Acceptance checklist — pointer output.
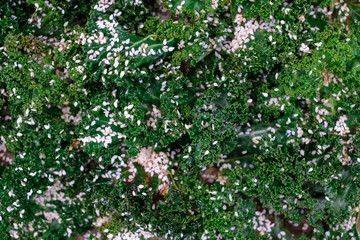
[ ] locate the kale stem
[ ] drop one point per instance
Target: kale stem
(173, 181)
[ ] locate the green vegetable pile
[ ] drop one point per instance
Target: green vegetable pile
(179, 119)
